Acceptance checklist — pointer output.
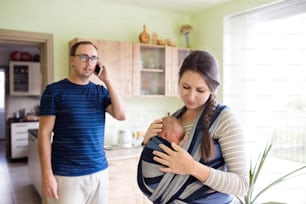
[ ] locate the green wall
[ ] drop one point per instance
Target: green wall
(90, 19)
(208, 27)
(93, 19)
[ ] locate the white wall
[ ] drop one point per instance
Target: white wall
(141, 111)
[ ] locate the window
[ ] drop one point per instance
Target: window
(265, 78)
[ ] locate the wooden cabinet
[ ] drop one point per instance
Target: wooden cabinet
(119, 58)
(19, 138)
(156, 68)
(25, 78)
(34, 164)
(177, 57)
(123, 186)
(149, 70)
(141, 69)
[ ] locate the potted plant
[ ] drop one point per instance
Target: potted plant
(254, 173)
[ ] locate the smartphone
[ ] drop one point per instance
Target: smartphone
(98, 70)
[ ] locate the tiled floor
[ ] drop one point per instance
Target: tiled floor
(15, 184)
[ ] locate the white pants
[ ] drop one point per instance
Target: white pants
(88, 189)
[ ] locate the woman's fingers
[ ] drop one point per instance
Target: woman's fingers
(153, 129)
(161, 160)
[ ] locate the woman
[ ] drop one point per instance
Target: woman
(211, 166)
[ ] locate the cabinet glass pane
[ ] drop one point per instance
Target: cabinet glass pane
(152, 57)
(21, 78)
(152, 83)
(182, 54)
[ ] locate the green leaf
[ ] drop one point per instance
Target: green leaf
(279, 180)
(254, 173)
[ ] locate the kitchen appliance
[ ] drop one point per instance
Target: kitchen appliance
(2, 104)
(125, 139)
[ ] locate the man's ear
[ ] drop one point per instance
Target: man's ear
(71, 61)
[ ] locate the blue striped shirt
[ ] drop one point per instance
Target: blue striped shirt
(78, 140)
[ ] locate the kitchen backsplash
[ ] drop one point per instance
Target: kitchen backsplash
(15, 103)
(141, 111)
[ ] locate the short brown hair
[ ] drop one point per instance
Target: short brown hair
(77, 44)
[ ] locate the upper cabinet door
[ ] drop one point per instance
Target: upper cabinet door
(156, 69)
(149, 70)
(118, 56)
(176, 59)
(25, 78)
(140, 69)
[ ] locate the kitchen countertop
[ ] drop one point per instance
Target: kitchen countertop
(20, 120)
(112, 152)
(123, 153)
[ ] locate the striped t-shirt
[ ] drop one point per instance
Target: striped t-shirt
(78, 140)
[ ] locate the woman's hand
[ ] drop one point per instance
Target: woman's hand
(154, 129)
(177, 161)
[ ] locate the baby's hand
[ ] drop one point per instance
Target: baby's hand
(183, 141)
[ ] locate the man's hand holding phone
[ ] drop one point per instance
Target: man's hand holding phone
(98, 70)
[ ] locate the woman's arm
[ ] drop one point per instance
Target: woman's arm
(232, 142)
(230, 136)
(154, 129)
(181, 162)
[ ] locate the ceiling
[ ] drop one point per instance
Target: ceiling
(182, 6)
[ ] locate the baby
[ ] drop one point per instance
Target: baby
(172, 131)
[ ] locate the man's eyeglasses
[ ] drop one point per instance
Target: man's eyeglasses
(86, 58)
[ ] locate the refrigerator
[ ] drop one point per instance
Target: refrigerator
(2, 104)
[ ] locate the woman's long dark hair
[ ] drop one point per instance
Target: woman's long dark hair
(206, 65)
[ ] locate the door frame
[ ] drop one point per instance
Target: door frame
(45, 42)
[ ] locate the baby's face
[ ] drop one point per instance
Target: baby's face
(172, 137)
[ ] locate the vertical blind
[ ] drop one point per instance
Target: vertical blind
(265, 70)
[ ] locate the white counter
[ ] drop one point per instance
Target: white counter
(123, 153)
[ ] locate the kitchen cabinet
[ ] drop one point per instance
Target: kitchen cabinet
(150, 68)
(123, 163)
(34, 163)
(123, 186)
(156, 68)
(175, 57)
(119, 58)
(140, 69)
(19, 138)
(33, 160)
(25, 78)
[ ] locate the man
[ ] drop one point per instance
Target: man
(73, 162)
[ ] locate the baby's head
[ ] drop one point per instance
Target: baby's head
(172, 130)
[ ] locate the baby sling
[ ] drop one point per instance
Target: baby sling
(165, 188)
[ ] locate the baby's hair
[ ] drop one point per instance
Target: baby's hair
(172, 124)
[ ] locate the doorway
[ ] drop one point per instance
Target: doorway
(2, 103)
(43, 41)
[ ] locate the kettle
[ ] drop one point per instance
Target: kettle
(125, 139)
